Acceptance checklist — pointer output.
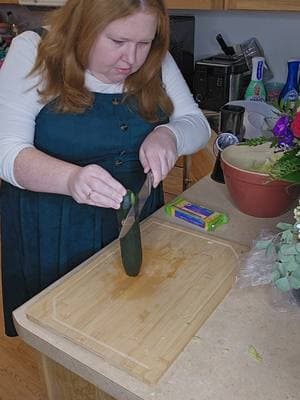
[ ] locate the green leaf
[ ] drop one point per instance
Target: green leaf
(283, 284)
(284, 226)
(255, 141)
(296, 273)
(284, 258)
(292, 265)
(287, 236)
(255, 354)
(288, 249)
(297, 258)
(293, 177)
(294, 282)
(282, 267)
(270, 250)
(275, 275)
(298, 247)
(263, 244)
(287, 167)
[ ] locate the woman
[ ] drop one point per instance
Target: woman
(91, 107)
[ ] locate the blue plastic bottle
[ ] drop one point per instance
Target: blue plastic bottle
(289, 94)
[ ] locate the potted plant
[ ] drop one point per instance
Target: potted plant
(285, 248)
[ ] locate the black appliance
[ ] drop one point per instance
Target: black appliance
(182, 32)
(220, 79)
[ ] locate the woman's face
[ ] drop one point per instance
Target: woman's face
(122, 47)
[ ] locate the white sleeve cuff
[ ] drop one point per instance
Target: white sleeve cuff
(192, 133)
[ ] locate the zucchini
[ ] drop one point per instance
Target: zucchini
(131, 246)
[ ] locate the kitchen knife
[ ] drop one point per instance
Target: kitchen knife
(142, 197)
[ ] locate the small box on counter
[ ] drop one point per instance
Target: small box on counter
(196, 214)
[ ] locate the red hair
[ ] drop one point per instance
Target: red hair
(63, 54)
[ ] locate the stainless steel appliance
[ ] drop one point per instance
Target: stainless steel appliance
(231, 122)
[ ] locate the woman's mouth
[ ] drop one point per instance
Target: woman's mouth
(124, 71)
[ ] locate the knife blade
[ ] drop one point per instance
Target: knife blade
(142, 198)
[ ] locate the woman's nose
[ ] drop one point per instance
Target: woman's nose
(130, 53)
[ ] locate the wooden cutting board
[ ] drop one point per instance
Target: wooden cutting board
(141, 324)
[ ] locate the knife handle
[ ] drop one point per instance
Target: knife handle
(228, 50)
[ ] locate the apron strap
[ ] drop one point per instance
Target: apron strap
(40, 31)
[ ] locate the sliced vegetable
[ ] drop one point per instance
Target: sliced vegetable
(131, 246)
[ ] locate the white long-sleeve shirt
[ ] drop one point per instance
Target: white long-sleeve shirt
(20, 104)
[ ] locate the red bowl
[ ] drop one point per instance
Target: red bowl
(255, 194)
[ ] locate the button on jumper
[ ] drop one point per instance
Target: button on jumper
(115, 101)
(124, 127)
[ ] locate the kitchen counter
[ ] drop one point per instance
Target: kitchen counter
(217, 363)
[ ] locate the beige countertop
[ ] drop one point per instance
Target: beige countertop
(216, 364)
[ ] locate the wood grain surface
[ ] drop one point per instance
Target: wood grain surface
(266, 5)
(141, 324)
(63, 384)
(20, 376)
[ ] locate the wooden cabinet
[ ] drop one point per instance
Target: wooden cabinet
(195, 4)
(188, 170)
(263, 5)
(259, 5)
(175, 182)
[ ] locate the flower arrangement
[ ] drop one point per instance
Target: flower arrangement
(286, 248)
(284, 164)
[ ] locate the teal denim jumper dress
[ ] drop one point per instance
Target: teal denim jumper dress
(44, 235)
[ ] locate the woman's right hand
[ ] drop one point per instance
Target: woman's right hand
(95, 186)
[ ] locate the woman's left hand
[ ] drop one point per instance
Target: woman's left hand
(158, 153)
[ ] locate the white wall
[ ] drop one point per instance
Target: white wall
(277, 32)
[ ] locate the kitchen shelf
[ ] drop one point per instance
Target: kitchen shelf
(195, 4)
(263, 5)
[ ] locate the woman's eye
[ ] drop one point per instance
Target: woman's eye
(117, 41)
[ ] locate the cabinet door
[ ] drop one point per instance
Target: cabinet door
(201, 163)
(189, 170)
(195, 4)
(268, 5)
(174, 183)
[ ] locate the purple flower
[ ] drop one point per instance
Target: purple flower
(282, 131)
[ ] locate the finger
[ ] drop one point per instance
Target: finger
(100, 200)
(112, 186)
(81, 194)
(144, 161)
(104, 178)
(107, 191)
(157, 175)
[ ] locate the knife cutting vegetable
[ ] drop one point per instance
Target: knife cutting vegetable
(130, 235)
